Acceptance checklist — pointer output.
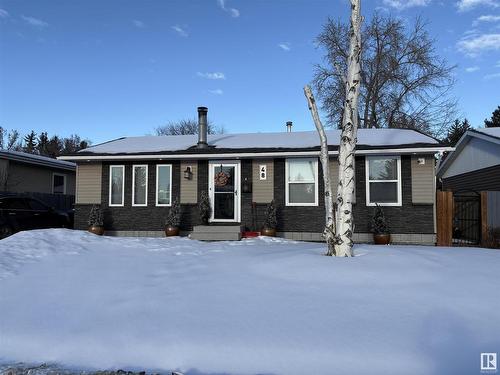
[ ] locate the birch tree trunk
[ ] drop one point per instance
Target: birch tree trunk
(329, 232)
(344, 218)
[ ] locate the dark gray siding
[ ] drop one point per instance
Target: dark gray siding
(408, 218)
(486, 179)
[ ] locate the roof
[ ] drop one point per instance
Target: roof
(257, 142)
(44, 161)
(492, 132)
(490, 135)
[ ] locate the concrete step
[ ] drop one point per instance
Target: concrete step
(216, 233)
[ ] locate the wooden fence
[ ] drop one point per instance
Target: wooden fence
(58, 201)
(451, 229)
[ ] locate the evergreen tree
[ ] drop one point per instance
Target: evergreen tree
(42, 144)
(494, 122)
(30, 143)
(54, 147)
(456, 131)
(2, 135)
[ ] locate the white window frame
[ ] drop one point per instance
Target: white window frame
(170, 191)
(122, 167)
(145, 204)
(398, 181)
(64, 183)
(287, 183)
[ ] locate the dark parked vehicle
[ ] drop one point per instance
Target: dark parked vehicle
(23, 213)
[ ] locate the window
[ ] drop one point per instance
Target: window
(116, 184)
(301, 176)
(383, 180)
(163, 185)
(140, 185)
(58, 184)
(37, 205)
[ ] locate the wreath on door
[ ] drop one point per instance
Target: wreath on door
(221, 179)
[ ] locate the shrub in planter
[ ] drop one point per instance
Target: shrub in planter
(270, 221)
(96, 220)
(173, 220)
(381, 235)
(204, 208)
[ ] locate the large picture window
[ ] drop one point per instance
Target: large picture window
(116, 184)
(301, 176)
(383, 180)
(163, 185)
(140, 185)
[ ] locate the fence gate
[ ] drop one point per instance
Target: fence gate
(466, 219)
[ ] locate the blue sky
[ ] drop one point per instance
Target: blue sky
(106, 69)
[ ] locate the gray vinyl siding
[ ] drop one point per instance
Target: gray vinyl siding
(88, 183)
(423, 179)
(25, 178)
(189, 188)
(263, 190)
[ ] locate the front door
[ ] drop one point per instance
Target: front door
(224, 186)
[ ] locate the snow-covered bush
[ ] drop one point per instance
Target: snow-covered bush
(270, 221)
(174, 215)
(96, 217)
(379, 222)
(204, 207)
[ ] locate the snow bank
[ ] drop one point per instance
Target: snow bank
(306, 139)
(256, 306)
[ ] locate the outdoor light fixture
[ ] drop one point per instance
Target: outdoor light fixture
(188, 173)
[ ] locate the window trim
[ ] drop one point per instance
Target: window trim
(170, 190)
(398, 181)
(145, 204)
(64, 183)
(287, 184)
(122, 167)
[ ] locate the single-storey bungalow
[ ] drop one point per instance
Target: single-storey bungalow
(136, 179)
(21, 172)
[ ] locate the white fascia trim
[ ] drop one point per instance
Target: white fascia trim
(400, 151)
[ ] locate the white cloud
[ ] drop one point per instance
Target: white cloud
(180, 31)
(35, 21)
(403, 4)
(487, 18)
(214, 75)
(232, 11)
(285, 46)
(472, 69)
(3, 13)
(216, 92)
(492, 76)
(475, 45)
(465, 5)
(138, 24)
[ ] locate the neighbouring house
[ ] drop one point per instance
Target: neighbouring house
(21, 172)
(136, 179)
(474, 168)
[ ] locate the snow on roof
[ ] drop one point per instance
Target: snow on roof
(494, 132)
(293, 140)
(36, 159)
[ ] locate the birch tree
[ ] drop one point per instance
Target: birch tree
(339, 226)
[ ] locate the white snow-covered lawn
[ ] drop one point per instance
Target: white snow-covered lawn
(260, 306)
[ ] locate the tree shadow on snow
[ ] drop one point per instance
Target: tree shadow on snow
(451, 347)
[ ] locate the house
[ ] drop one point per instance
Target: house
(472, 173)
(136, 179)
(21, 172)
(475, 163)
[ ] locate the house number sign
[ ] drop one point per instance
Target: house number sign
(263, 172)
